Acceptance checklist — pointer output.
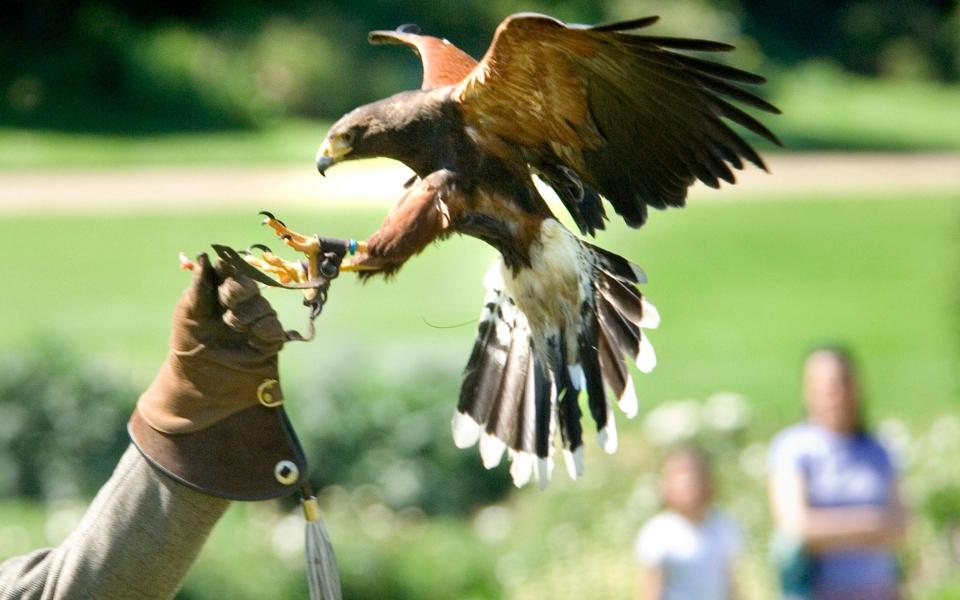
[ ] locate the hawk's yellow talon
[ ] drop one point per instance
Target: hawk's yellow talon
(285, 272)
(307, 245)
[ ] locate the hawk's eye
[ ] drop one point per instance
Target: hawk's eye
(350, 136)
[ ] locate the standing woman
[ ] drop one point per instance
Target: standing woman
(834, 491)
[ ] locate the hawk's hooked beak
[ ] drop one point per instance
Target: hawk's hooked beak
(330, 152)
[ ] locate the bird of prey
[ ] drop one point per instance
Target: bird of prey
(596, 112)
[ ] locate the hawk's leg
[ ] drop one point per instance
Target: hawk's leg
(309, 246)
(425, 213)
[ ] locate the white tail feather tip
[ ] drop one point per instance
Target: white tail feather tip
(544, 472)
(574, 462)
(607, 438)
(521, 468)
(466, 431)
(628, 400)
(646, 357)
(491, 450)
(651, 316)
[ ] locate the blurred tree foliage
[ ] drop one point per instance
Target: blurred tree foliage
(139, 66)
(873, 37)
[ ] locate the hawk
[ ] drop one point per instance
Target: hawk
(596, 112)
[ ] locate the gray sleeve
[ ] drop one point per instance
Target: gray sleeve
(138, 539)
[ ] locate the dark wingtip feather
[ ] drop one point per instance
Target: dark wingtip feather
(718, 70)
(725, 109)
(627, 25)
(677, 43)
(722, 87)
(744, 149)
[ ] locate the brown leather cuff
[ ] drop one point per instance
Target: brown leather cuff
(251, 455)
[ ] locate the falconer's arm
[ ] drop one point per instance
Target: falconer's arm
(138, 539)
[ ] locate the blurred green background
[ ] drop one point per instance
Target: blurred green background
(95, 90)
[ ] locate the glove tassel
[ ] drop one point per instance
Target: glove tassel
(323, 576)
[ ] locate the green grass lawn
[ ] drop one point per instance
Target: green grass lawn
(288, 142)
(744, 289)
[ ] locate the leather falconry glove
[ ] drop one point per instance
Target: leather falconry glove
(213, 418)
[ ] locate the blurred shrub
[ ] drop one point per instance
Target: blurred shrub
(257, 552)
(392, 432)
(62, 423)
(942, 507)
(63, 427)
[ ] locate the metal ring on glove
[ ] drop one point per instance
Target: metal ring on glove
(265, 397)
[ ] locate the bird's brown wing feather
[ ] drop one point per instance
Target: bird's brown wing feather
(636, 120)
(443, 63)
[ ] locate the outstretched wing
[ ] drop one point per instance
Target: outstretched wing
(634, 119)
(443, 63)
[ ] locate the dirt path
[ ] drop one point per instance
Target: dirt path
(179, 189)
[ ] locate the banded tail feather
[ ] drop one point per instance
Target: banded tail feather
(521, 387)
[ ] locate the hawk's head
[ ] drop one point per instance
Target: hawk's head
(398, 127)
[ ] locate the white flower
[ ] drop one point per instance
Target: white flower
(376, 521)
(753, 460)
(726, 411)
(945, 432)
(896, 437)
(401, 482)
(286, 538)
(493, 523)
(644, 499)
(673, 422)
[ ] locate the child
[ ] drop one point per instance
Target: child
(687, 550)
